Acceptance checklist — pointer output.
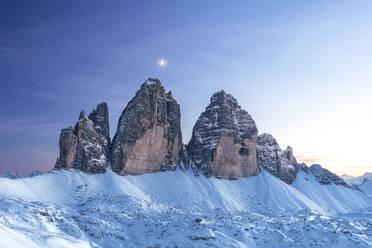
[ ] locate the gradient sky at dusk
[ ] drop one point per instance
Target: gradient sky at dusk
(303, 70)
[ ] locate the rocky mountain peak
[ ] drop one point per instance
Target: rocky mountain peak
(82, 115)
(100, 118)
(222, 98)
(290, 157)
(324, 176)
(148, 137)
(270, 156)
(83, 147)
(267, 139)
(152, 84)
(223, 142)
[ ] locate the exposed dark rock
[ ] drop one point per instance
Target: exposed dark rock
(35, 173)
(270, 156)
(100, 118)
(304, 167)
(223, 142)
(186, 162)
(324, 176)
(148, 137)
(80, 148)
(356, 187)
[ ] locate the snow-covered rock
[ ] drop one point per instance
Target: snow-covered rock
(80, 148)
(270, 156)
(100, 118)
(324, 176)
(35, 173)
(223, 142)
(148, 137)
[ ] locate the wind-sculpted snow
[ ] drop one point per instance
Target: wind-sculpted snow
(176, 209)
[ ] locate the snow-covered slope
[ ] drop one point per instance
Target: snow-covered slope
(333, 198)
(74, 209)
(366, 186)
(168, 188)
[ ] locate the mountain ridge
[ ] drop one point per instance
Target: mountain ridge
(225, 141)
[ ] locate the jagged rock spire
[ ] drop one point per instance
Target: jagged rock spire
(270, 156)
(82, 115)
(83, 147)
(100, 118)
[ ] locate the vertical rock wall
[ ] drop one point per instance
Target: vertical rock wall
(223, 142)
(148, 137)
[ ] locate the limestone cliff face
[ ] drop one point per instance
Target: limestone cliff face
(80, 148)
(224, 138)
(270, 156)
(148, 137)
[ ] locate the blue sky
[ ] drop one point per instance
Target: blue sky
(301, 69)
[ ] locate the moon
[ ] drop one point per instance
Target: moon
(162, 62)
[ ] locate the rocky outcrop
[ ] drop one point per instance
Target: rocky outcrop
(186, 162)
(80, 147)
(270, 156)
(148, 137)
(100, 118)
(223, 142)
(324, 176)
(35, 173)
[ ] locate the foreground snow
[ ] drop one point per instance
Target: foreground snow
(176, 209)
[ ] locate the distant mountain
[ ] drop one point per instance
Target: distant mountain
(366, 186)
(357, 180)
(11, 175)
(363, 183)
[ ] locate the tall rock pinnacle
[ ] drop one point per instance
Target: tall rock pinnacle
(148, 137)
(82, 147)
(223, 142)
(100, 118)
